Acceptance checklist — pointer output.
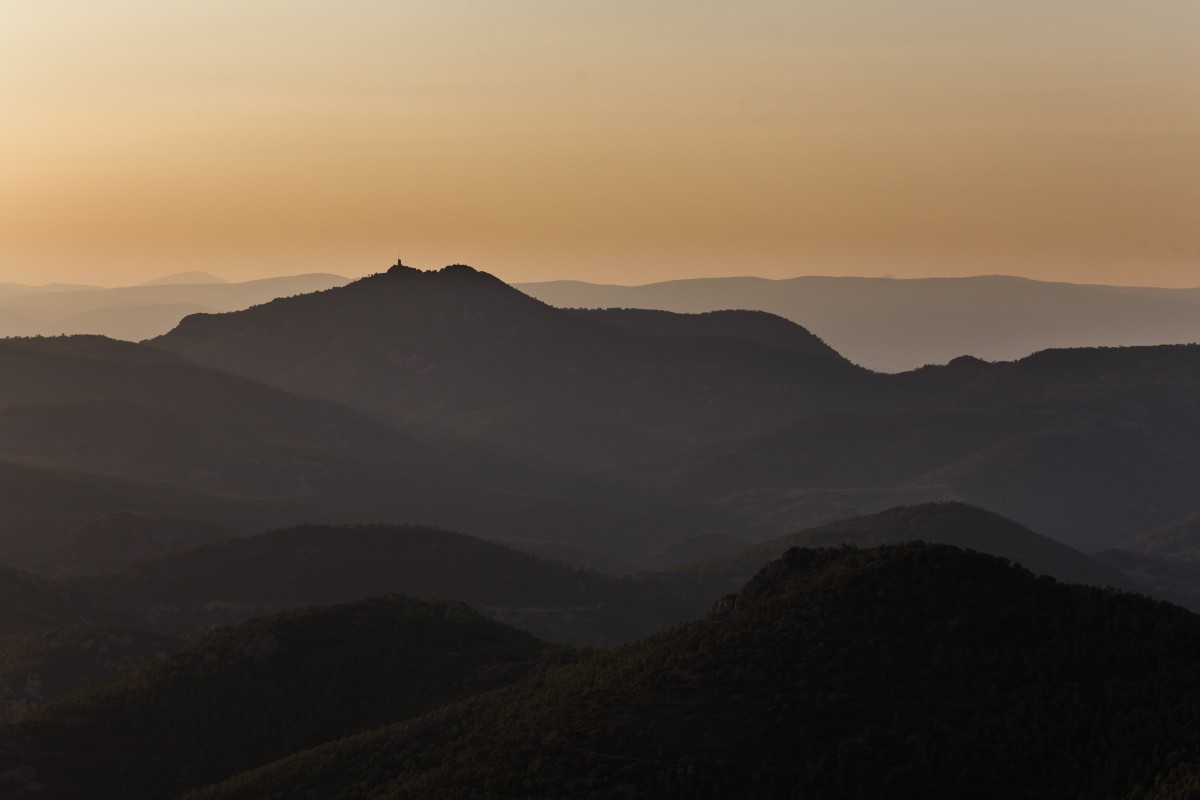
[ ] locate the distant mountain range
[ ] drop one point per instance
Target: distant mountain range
(743, 415)
(896, 325)
(139, 312)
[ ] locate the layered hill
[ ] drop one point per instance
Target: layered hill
(737, 426)
(512, 385)
(235, 580)
(107, 427)
(1090, 447)
(895, 325)
(904, 671)
(245, 696)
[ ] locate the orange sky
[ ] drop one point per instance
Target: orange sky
(612, 141)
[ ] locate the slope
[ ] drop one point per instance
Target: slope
(38, 668)
(906, 671)
(515, 387)
(240, 697)
(119, 410)
(1090, 447)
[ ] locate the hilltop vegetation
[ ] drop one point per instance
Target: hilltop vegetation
(238, 698)
(913, 670)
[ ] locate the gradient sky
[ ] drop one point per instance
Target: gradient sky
(612, 141)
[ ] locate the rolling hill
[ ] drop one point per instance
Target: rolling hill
(904, 671)
(238, 579)
(241, 697)
(181, 440)
(1090, 447)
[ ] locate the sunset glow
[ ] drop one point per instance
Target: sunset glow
(615, 142)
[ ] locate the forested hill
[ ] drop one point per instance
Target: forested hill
(907, 671)
(238, 698)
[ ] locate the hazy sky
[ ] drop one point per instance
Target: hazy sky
(608, 140)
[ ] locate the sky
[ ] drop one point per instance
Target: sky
(610, 141)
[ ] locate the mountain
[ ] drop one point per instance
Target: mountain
(234, 580)
(517, 388)
(241, 697)
(905, 671)
(170, 432)
(732, 426)
(138, 311)
(895, 325)
(1089, 446)
(184, 278)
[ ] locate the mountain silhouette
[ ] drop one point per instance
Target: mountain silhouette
(459, 358)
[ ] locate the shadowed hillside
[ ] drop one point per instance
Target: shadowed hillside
(91, 427)
(235, 580)
(38, 668)
(241, 697)
(907, 671)
(1087, 446)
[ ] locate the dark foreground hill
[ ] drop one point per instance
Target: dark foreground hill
(38, 668)
(239, 698)
(906, 671)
